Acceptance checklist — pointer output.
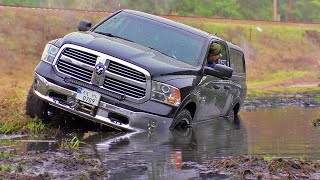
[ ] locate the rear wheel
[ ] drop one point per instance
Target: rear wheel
(183, 119)
(36, 107)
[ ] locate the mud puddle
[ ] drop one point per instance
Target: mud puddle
(201, 151)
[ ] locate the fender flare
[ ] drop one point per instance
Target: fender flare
(189, 99)
(236, 104)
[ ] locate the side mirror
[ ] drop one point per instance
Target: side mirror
(219, 70)
(84, 25)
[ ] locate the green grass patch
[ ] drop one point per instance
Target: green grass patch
(316, 119)
(30, 126)
(317, 98)
(10, 127)
(5, 155)
(35, 126)
(267, 158)
(254, 93)
(281, 77)
(6, 168)
(1, 38)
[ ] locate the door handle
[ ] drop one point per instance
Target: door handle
(227, 87)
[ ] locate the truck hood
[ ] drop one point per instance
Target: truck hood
(156, 63)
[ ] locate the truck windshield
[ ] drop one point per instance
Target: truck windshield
(175, 43)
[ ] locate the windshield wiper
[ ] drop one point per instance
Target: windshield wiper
(112, 35)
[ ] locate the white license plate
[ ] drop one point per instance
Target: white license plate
(88, 96)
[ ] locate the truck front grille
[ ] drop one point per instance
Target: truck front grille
(126, 71)
(75, 71)
(120, 77)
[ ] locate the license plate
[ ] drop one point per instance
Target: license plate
(88, 96)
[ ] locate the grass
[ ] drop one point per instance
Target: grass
(75, 143)
(281, 77)
(252, 93)
(5, 155)
(316, 119)
(267, 158)
(35, 126)
(30, 126)
(6, 167)
(72, 144)
(12, 112)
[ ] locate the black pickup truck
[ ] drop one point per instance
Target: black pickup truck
(137, 71)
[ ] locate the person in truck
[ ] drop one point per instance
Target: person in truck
(214, 55)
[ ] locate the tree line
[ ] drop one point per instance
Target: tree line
(307, 11)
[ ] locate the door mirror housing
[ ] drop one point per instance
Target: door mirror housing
(84, 25)
(219, 71)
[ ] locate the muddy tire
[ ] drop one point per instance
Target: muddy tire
(183, 119)
(35, 107)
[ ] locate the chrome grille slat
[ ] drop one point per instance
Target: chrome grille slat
(114, 89)
(75, 75)
(117, 89)
(124, 91)
(76, 67)
(80, 52)
(126, 74)
(81, 59)
(74, 70)
(80, 56)
(124, 84)
(125, 71)
(127, 90)
(113, 64)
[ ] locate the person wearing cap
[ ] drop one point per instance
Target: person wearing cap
(214, 55)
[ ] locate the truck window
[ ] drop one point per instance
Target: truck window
(224, 58)
(237, 61)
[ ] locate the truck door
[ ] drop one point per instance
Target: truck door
(214, 91)
(224, 98)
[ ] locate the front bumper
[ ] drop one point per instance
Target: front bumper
(137, 121)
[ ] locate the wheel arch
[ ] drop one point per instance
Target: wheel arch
(236, 108)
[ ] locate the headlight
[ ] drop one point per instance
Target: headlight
(165, 93)
(49, 53)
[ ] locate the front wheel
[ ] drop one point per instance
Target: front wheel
(183, 119)
(36, 107)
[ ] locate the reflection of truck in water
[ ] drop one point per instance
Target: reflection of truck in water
(135, 71)
(169, 154)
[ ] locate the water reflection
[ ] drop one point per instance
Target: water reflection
(283, 132)
(167, 153)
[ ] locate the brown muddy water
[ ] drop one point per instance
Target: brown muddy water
(178, 154)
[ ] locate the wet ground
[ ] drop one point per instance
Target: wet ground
(217, 149)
